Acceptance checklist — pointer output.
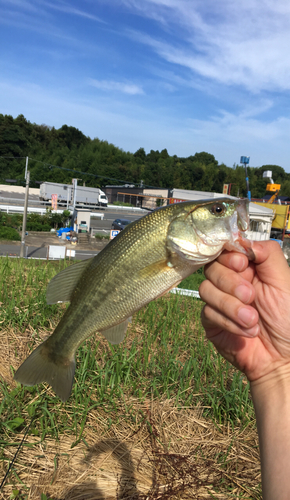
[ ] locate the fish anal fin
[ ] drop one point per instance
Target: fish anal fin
(116, 333)
(61, 287)
(40, 367)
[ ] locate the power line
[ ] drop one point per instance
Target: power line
(13, 157)
(51, 166)
(80, 172)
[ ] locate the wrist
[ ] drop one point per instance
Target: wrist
(271, 398)
(276, 382)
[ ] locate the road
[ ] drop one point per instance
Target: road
(110, 213)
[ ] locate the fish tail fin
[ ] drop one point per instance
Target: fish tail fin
(41, 367)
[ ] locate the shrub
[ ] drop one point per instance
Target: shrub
(9, 233)
(122, 204)
(37, 226)
(100, 236)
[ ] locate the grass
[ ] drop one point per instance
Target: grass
(164, 367)
(102, 236)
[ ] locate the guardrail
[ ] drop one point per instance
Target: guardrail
(42, 211)
(184, 291)
(17, 209)
(47, 204)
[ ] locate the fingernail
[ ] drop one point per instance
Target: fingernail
(243, 293)
(247, 316)
(237, 262)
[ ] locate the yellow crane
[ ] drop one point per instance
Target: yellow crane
(273, 188)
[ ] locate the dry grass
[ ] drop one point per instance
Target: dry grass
(163, 453)
(159, 452)
(167, 454)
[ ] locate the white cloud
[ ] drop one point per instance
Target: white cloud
(227, 136)
(109, 85)
(236, 43)
(69, 9)
(231, 136)
(37, 6)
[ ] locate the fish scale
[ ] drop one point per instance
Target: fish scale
(146, 259)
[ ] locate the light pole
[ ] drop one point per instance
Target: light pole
(24, 215)
(245, 160)
(75, 185)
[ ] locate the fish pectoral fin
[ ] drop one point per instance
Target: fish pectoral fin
(60, 288)
(155, 268)
(116, 333)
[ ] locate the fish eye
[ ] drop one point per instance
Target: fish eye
(217, 209)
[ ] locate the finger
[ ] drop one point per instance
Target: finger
(228, 305)
(267, 250)
(230, 282)
(237, 262)
(214, 322)
(271, 265)
(233, 260)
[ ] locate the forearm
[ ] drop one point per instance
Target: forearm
(271, 397)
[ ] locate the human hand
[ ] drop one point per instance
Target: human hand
(247, 311)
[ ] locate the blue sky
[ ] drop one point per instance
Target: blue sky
(186, 75)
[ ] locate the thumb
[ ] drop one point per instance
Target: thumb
(270, 263)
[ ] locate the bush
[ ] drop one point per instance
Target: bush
(9, 233)
(122, 204)
(35, 222)
(11, 220)
(48, 220)
(100, 236)
(37, 226)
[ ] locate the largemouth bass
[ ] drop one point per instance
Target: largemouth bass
(148, 258)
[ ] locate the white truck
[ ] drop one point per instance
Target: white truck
(84, 195)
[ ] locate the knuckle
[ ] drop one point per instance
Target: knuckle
(209, 269)
(227, 323)
(226, 304)
(227, 282)
(205, 313)
(202, 286)
(204, 290)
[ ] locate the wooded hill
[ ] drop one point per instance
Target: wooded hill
(99, 163)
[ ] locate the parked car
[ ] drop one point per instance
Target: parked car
(120, 224)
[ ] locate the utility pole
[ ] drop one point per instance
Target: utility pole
(24, 215)
(26, 167)
(75, 186)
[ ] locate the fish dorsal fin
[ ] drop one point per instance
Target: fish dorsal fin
(60, 288)
(116, 333)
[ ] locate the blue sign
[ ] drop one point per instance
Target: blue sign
(245, 159)
(114, 233)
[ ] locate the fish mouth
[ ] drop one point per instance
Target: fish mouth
(243, 215)
(195, 254)
(241, 245)
(239, 224)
